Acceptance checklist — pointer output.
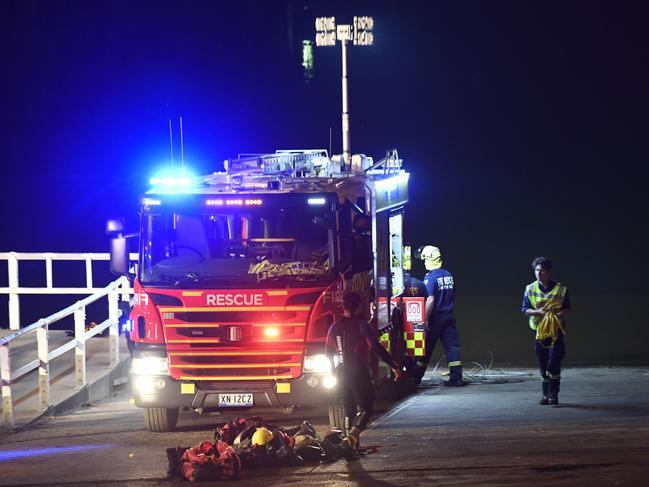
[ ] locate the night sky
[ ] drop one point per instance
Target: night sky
(525, 126)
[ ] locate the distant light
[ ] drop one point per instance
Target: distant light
(150, 202)
(271, 332)
(307, 54)
(316, 201)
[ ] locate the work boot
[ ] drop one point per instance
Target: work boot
(455, 383)
(546, 395)
(553, 392)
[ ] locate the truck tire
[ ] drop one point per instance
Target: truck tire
(386, 390)
(160, 420)
(337, 418)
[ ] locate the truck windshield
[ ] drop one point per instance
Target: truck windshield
(236, 248)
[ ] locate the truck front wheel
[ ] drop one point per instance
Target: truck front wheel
(160, 420)
(337, 418)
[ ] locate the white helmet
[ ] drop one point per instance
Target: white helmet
(431, 256)
(429, 252)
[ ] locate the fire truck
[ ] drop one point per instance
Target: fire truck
(241, 272)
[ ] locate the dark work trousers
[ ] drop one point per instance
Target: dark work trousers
(356, 394)
(442, 327)
(550, 357)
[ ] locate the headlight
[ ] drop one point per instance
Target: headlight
(319, 364)
(150, 366)
(329, 382)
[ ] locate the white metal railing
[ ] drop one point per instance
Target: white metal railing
(14, 290)
(45, 356)
(113, 291)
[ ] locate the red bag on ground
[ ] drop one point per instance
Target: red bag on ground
(210, 461)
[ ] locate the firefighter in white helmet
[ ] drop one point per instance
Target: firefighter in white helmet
(440, 316)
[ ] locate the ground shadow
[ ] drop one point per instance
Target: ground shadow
(363, 478)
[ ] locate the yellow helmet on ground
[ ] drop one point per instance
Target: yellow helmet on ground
(300, 441)
(262, 436)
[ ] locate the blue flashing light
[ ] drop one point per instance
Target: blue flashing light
(127, 326)
(173, 181)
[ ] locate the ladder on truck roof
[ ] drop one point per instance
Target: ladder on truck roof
(286, 162)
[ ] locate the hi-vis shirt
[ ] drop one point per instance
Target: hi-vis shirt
(536, 297)
(350, 339)
(439, 284)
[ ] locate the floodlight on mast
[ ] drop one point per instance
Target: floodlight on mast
(360, 34)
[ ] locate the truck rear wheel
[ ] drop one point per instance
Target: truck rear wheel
(160, 420)
(386, 390)
(337, 418)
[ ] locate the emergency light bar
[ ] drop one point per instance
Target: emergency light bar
(170, 180)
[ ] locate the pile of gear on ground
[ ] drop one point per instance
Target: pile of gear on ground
(248, 444)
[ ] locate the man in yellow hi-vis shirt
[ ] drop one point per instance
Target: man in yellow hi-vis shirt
(546, 304)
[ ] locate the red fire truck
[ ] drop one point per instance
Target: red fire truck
(240, 274)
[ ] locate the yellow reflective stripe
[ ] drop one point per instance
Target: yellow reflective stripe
(456, 363)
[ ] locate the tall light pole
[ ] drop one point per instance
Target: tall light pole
(360, 33)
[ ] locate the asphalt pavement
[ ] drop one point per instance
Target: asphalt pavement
(492, 432)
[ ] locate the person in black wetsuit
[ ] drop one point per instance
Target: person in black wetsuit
(349, 341)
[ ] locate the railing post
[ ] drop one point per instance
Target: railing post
(14, 300)
(89, 282)
(80, 350)
(49, 280)
(5, 377)
(44, 367)
(113, 316)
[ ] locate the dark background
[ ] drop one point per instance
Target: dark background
(524, 125)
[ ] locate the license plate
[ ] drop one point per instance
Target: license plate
(235, 399)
